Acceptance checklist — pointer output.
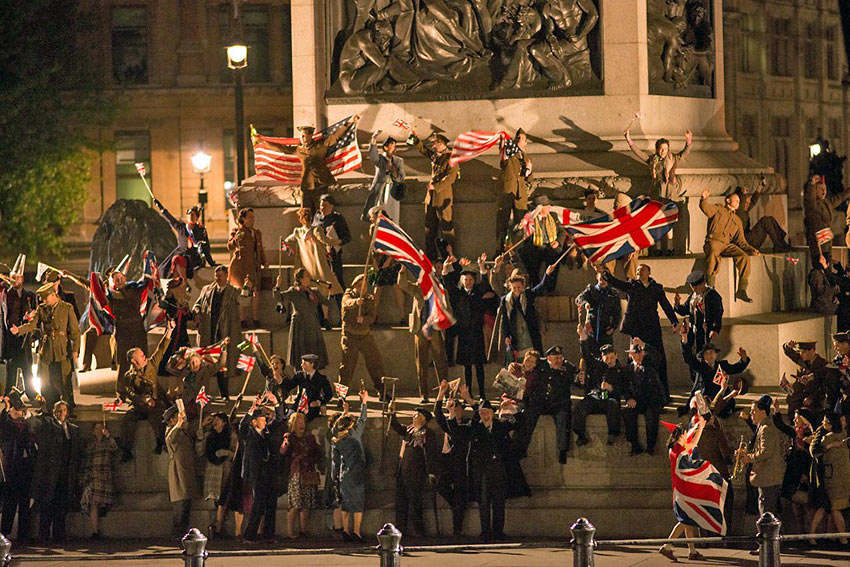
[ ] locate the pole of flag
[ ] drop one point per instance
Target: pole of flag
(366, 263)
(509, 250)
(140, 167)
(280, 260)
(201, 421)
(564, 255)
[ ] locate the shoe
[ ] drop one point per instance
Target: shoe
(650, 450)
(742, 295)
(357, 538)
(582, 440)
(346, 537)
(562, 457)
(326, 325)
(500, 536)
(85, 368)
(696, 556)
(424, 401)
(303, 534)
(612, 438)
(635, 450)
(668, 553)
(485, 537)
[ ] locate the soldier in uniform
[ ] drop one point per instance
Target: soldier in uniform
(602, 382)
(439, 198)
(817, 215)
(124, 300)
(358, 314)
(704, 309)
(549, 394)
(725, 237)
(60, 343)
(515, 180)
(808, 391)
(139, 387)
(15, 350)
(316, 178)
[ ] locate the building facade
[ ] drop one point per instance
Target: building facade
(166, 61)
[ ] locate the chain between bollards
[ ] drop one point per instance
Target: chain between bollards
(769, 538)
(5, 551)
(582, 543)
(194, 548)
(389, 546)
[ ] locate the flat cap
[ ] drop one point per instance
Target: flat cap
(168, 414)
(314, 358)
(696, 277)
(606, 349)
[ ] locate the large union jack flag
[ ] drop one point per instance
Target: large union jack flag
(98, 315)
(391, 240)
(273, 157)
(636, 226)
(699, 491)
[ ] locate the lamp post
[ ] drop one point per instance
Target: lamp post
(237, 59)
(201, 165)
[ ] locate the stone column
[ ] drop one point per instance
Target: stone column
(308, 49)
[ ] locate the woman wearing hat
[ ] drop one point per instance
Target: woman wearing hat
(247, 261)
(347, 438)
(193, 246)
(830, 474)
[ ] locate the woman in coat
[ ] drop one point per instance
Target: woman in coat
(302, 456)
(348, 440)
(98, 476)
(177, 312)
(830, 473)
(182, 478)
(247, 259)
(305, 330)
(309, 245)
(218, 446)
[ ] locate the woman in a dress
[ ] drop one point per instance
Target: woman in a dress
(219, 444)
(830, 474)
(302, 456)
(247, 261)
(98, 480)
(348, 440)
(684, 468)
(305, 329)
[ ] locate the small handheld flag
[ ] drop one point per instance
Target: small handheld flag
(303, 406)
(246, 363)
(824, 236)
(399, 123)
(341, 389)
(720, 376)
(140, 167)
(202, 399)
(113, 406)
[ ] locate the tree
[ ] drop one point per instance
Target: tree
(52, 105)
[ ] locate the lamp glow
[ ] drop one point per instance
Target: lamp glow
(814, 150)
(201, 162)
(237, 56)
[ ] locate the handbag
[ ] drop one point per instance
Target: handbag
(398, 191)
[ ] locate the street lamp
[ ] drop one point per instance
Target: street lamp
(237, 59)
(201, 165)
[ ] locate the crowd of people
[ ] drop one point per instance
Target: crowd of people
(244, 462)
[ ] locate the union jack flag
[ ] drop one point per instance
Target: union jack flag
(403, 124)
(472, 144)
(284, 247)
(209, 353)
(246, 363)
(202, 399)
(112, 406)
(824, 236)
(98, 315)
(140, 167)
(149, 308)
(636, 226)
(794, 261)
(720, 375)
(341, 389)
(275, 157)
(391, 240)
(699, 491)
(303, 405)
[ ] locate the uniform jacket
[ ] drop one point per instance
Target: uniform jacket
(443, 175)
(138, 386)
(516, 178)
(724, 226)
(768, 455)
(182, 478)
(550, 389)
(228, 324)
(350, 312)
(642, 307)
(596, 372)
(60, 331)
(314, 170)
(817, 214)
(603, 308)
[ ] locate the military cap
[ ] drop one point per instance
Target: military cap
(696, 277)
(425, 413)
(520, 132)
(554, 351)
(469, 270)
(168, 414)
(314, 358)
(45, 290)
(174, 282)
(807, 345)
(606, 349)
(841, 337)
(307, 130)
(194, 209)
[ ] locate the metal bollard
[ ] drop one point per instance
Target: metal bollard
(194, 548)
(768, 538)
(5, 549)
(582, 543)
(389, 546)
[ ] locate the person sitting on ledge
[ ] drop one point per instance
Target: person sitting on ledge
(766, 226)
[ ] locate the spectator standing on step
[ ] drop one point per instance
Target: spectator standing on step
(336, 235)
(517, 321)
(817, 215)
(603, 314)
(17, 455)
(703, 308)
(766, 453)
(182, 477)
(359, 312)
(248, 258)
(98, 476)
(305, 328)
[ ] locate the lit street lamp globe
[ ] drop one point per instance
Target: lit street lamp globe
(201, 162)
(237, 56)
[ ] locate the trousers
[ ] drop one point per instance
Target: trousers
(715, 249)
(16, 499)
(429, 352)
(263, 508)
(180, 512)
(352, 346)
(53, 514)
(438, 224)
(591, 405)
(630, 419)
(409, 498)
(766, 226)
(562, 416)
(491, 498)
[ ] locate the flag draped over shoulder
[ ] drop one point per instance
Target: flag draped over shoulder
(98, 315)
(636, 226)
(699, 491)
(391, 240)
(469, 145)
(275, 157)
(564, 215)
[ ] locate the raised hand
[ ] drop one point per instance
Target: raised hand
(742, 352)
(364, 396)
(689, 136)
(705, 193)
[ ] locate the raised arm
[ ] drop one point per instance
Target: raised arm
(169, 218)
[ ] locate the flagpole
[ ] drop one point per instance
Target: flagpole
(564, 255)
(509, 250)
(280, 260)
(201, 420)
(145, 181)
(366, 263)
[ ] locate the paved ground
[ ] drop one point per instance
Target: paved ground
(507, 555)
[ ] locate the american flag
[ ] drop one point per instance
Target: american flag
(202, 399)
(509, 148)
(112, 406)
(149, 308)
(720, 375)
(472, 144)
(271, 161)
(824, 236)
(303, 405)
(341, 389)
(391, 240)
(699, 491)
(246, 363)
(564, 215)
(98, 315)
(636, 226)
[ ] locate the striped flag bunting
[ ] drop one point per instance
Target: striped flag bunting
(469, 145)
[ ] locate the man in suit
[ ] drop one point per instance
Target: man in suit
(517, 319)
(15, 350)
(704, 309)
(60, 343)
(310, 383)
(767, 456)
(56, 473)
(260, 440)
(704, 372)
(337, 235)
(17, 456)
(644, 394)
(603, 313)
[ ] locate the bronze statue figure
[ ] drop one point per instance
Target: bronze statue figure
(680, 43)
